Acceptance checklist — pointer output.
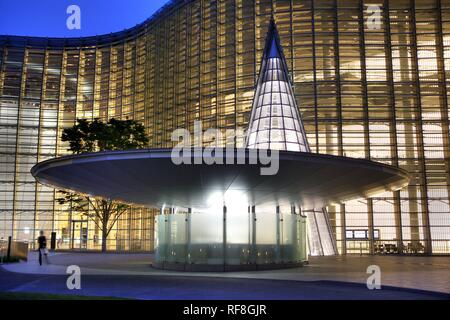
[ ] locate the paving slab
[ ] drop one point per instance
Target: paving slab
(421, 273)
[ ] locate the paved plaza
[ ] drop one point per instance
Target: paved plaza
(131, 276)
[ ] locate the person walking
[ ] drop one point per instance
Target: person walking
(42, 248)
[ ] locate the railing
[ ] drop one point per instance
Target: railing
(384, 247)
(144, 245)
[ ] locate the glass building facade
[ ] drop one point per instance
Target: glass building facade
(371, 80)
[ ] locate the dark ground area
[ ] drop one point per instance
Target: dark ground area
(181, 288)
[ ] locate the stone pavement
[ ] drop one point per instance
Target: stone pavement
(325, 277)
(202, 288)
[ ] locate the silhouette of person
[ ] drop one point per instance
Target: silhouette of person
(42, 242)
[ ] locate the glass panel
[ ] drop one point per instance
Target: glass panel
(238, 237)
(288, 237)
(177, 241)
(207, 238)
(265, 237)
(161, 238)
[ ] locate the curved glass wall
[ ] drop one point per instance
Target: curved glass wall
(241, 239)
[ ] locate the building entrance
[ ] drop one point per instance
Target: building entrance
(79, 238)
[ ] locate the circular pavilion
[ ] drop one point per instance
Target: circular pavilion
(223, 216)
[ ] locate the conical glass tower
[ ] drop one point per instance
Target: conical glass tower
(275, 123)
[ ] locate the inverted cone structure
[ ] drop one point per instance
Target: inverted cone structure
(275, 123)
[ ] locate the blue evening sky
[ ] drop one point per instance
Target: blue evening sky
(47, 18)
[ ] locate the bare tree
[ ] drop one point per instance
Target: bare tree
(103, 212)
